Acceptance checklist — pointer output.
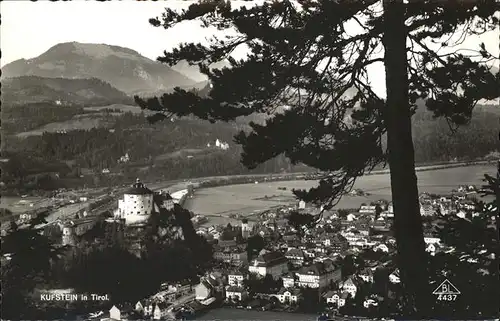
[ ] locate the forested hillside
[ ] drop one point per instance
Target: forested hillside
(168, 150)
(32, 89)
(69, 131)
(435, 141)
(178, 148)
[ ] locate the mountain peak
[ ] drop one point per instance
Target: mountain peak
(123, 68)
(93, 50)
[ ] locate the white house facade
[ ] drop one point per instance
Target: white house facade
(235, 279)
(288, 295)
(272, 263)
(319, 275)
(350, 287)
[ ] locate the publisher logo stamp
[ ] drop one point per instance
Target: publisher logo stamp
(446, 291)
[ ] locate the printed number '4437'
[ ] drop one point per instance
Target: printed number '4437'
(447, 297)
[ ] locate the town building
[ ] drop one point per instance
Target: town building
(394, 277)
(381, 248)
(339, 243)
(236, 293)
(204, 290)
(295, 256)
(235, 278)
(319, 274)
(145, 307)
(427, 209)
(234, 256)
(114, 313)
(74, 229)
(433, 248)
(370, 302)
(246, 229)
(350, 286)
(336, 298)
(272, 263)
(351, 217)
(366, 275)
(289, 295)
(368, 209)
(160, 311)
(431, 238)
(289, 280)
(168, 201)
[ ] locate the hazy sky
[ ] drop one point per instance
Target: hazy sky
(30, 28)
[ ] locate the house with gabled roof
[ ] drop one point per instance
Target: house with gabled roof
(381, 248)
(289, 295)
(351, 217)
(295, 256)
(431, 237)
(161, 310)
(335, 297)
(145, 307)
(370, 302)
(289, 280)
(272, 263)
(427, 209)
(366, 275)
(433, 248)
(394, 277)
(339, 243)
(204, 290)
(350, 286)
(122, 312)
(115, 313)
(236, 293)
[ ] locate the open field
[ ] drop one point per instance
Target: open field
(248, 198)
(122, 108)
(20, 205)
(185, 152)
(99, 117)
(80, 122)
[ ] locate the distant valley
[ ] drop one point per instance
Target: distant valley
(69, 117)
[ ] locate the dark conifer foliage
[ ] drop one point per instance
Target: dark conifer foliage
(474, 264)
(302, 56)
(27, 260)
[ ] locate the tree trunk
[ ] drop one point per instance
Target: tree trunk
(411, 255)
(497, 193)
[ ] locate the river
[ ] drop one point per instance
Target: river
(217, 203)
(223, 314)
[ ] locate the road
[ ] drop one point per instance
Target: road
(70, 210)
(177, 185)
(183, 300)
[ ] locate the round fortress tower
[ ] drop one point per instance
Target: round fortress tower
(137, 204)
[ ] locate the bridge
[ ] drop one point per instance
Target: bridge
(180, 197)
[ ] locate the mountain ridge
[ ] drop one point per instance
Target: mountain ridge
(85, 91)
(123, 68)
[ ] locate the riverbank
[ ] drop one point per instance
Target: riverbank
(201, 184)
(218, 203)
(437, 167)
(217, 181)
